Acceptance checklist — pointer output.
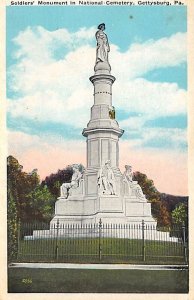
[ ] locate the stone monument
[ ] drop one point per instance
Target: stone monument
(102, 192)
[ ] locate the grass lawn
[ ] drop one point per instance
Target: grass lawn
(23, 280)
(114, 250)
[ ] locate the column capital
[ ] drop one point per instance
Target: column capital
(99, 77)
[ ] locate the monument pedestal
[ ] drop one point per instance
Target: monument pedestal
(109, 208)
(136, 208)
(110, 203)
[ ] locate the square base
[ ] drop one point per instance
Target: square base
(110, 203)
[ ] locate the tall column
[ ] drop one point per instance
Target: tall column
(102, 131)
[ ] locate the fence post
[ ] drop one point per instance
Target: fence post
(184, 243)
(100, 246)
(143, 240)
(57, 247)
(18, 238)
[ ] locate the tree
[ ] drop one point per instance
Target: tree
(12, 226)
(20, 184)
(180, 218)
(147, 186)
(159, 210)
(164, 217)
(171, 201)
(180, 214)
(32, 199)
(41, 203)
(54, 181)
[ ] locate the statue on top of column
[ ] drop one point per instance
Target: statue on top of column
(102, 45)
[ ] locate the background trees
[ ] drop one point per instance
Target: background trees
(54, 181)
(180, 214)
(159, 209)
(29, 199)
(12, 225)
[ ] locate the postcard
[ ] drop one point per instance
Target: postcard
(98, 148)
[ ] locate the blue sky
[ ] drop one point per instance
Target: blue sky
(51, 55)
(137, 23)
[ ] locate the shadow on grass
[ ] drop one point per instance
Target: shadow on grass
(23, 280)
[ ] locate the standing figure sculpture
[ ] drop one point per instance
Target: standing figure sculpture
(74, 184)
(102, 45)
(106, 180)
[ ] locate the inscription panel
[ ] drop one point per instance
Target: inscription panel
(95, 112)
(94, 153)
(92, 184)
(104, 151)
(113, 153)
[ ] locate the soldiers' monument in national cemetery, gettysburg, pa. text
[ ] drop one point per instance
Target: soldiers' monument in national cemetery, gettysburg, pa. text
(102, 191)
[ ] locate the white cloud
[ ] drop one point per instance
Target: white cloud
(176, 136)
(141, 136)
(51, 106)
(151, 98)
(145, 57)
(40, 43)
(58, 89)
(133, 123)
(32, 142)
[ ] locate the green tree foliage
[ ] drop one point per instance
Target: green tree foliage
(21, 183)
(180, 214)
(28, 193)
(54, 181)
(41, 204)
(180, 218)
(171, 201)
(12, 226)
(147, 186)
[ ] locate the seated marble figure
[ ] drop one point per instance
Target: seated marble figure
(132, 188)
(73, 187)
